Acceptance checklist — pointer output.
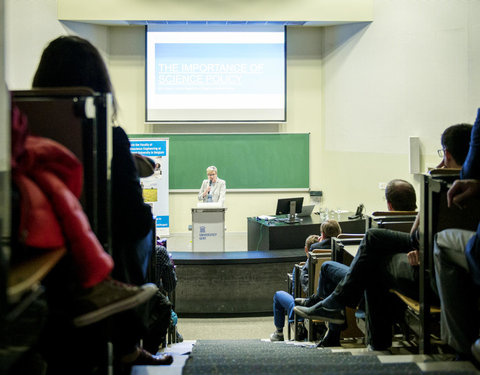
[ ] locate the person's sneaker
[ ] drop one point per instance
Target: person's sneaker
(276, 336)
(179, 337)
(318, 312)
(310, 301)
(107, 298)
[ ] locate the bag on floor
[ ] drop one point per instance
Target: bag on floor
(159, 313)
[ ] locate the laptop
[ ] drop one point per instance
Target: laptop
(306, 210)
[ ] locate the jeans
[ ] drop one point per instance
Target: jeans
(458, 295)
(282, 303)
(331, 273)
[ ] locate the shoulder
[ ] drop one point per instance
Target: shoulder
(162, 253)
(119, 137)
(220, 181)
(325, 244)
(117, 131)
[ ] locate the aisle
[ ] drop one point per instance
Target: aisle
(248, 357)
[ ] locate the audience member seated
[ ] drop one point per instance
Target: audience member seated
(385, 260)
(400, 196)
(49, 179)
(457, 264)
(328, 230)
(72, 61)
(283, 302)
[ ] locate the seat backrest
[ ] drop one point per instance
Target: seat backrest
(393, 213)
(77, 118)
(401, 225)
(297, 291)
(444, 172)
(395, 220)
(316, 258)
(339, 244)
(435, 217)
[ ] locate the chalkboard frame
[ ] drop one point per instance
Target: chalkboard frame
(247, 161)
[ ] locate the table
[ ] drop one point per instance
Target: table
(276, 235)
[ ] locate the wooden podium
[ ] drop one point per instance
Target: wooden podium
(208, 227)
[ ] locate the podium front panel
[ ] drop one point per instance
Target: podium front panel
(208, 229)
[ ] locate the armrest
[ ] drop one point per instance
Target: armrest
(350, 235)
(321, 251)
(27, 274)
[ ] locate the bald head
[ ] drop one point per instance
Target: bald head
(401, 196)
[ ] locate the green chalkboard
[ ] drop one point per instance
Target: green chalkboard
(245, 161)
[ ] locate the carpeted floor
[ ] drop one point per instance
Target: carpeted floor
(248, 357)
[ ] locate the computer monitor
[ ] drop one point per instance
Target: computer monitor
(283, 205)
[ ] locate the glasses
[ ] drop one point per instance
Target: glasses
(211, 174)
(441, 152)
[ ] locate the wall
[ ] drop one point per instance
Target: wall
(29, 26)
(245, 10)
(360, 90)
(412, 72)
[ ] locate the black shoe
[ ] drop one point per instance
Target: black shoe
(319, 312)
(302, 332)
(310, 301)
(331, 338)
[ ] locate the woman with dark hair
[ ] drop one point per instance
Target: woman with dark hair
(73, 61)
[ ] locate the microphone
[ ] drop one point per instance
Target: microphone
(209, 196)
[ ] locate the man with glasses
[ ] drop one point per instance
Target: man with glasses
(453, 152)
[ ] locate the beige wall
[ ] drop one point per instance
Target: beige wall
(411, 72)
(258, 10)
(360, 90)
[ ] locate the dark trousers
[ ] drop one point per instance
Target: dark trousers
(380, 264)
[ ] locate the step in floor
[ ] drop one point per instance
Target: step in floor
(333, 358)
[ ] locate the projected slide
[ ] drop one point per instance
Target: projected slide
(204, 75)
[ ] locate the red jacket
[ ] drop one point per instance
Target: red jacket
(49, 178)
